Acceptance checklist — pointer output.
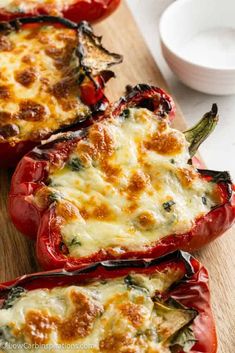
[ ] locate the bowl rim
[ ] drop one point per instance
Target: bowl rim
(175, 52)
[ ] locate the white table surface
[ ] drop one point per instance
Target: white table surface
(219, 150)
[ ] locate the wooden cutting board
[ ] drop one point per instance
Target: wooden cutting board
(17, 253)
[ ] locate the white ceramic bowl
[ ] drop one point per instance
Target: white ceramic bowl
(198, 43)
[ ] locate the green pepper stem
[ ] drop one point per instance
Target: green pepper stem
(199, 133)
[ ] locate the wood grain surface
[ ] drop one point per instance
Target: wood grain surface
(17, 253)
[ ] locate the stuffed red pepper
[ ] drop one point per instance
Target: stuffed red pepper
(74, 10)
(160, 305)
(52, 77)
(123, 187)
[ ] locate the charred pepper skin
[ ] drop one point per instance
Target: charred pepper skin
(91, 87)
(152, 98)
(92, 11)
(192, 291)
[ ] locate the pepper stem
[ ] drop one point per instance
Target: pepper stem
(199, 133)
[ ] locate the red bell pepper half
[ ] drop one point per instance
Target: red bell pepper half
(189, 291)
(32, 176)
(74, 10)
(70, 82)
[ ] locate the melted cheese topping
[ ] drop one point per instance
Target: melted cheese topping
(126, 186)
(39, 92)
(54, 7)
(118, 315)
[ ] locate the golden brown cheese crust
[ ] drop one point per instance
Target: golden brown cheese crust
(54, 7)
(38, 327)
(40, 324)
(118, 343)
(165, 143)
(132, 312)
(39, 90)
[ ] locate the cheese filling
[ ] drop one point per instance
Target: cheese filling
(126, 186)
(119, 315)
(39, 92)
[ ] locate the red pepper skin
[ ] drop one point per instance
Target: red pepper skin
(91, 88)
(192, 291)
(89, 10)
(10, 155)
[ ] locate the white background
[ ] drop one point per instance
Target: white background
(219, 150)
